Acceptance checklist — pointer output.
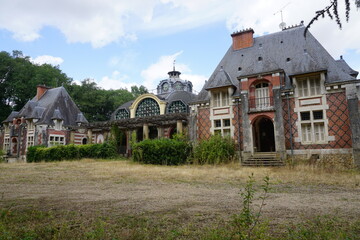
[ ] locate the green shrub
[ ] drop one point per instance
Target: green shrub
(34, 153)
(70, 152)
(216, 150)
(161, 151)
(2, 153)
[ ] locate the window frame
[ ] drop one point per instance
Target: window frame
(220, 126)
(55, 142)
(220, 98)
(309, 86)
(313, 130)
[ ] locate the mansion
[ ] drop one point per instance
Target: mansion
(280, 94)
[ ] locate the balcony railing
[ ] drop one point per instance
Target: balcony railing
(261, 104)
(14, 132)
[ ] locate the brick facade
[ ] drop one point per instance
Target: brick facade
(203, 124)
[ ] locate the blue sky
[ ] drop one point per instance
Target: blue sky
(120, 43)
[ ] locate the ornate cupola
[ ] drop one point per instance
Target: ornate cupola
(174, 83)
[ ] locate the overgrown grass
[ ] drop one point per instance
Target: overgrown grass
(34, 224)
(40, 216)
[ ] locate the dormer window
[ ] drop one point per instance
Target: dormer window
(309, 86)
(30, 124)
(220, 98)
(58, 124)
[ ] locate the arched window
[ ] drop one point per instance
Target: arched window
(262, 99)
(122, 114)
(177, 107)
(147, 107)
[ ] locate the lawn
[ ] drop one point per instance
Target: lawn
(124, 200)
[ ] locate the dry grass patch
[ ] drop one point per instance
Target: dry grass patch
(234, 173)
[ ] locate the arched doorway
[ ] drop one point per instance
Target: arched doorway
(263, 133)
(14, 146)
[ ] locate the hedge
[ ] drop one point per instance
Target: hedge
(215, 150)
(161, 151)
(70, 152)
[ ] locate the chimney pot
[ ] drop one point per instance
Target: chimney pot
(243, 39)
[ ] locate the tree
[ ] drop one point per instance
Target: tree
(96, 103)
(332, 12)
(137, 91)
(19, 78)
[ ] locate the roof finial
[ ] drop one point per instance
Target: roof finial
(174, 64)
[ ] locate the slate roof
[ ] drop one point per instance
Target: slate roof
(10, 118)
(346, 68)
(55, 103)
(288, 51)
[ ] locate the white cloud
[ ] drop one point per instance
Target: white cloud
(115, 81)
(101, 22)
(46, 59)
(157, 72)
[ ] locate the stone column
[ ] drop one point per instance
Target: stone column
(160, 132)
(353, 106)
(89, 136)
(279, 124)
(246, 126)
(145, 131)
(179, 127)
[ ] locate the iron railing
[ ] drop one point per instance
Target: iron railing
(259, 104)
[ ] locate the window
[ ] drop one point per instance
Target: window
(222, 127)
(56, 140)
(147, 107)
(177, 107)
(220, 99)
(122, 114)
(262, 99)
(6, 144)
(30, 125)
(217, 123)
(312, 126)
(30, 141)
(309, 86)
(58, 124)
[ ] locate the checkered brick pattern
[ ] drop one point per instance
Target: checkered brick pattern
(338, 124)
(203, 124)
(293, 117)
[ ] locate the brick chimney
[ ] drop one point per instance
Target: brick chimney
(243, 39)
(41, 89)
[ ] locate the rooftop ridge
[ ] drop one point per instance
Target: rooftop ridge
(301, 24)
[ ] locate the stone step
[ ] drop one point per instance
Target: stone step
(270, 159)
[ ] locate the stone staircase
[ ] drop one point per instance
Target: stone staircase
(264, 159)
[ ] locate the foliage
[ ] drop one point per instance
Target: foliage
(215, 150)
(117, 137)
(70, 152)
(2, 153)
(246, 224)
(324, 227)
(98, 104)
(19, 78)
(137, 91)
(333, 7)
(161, 151)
